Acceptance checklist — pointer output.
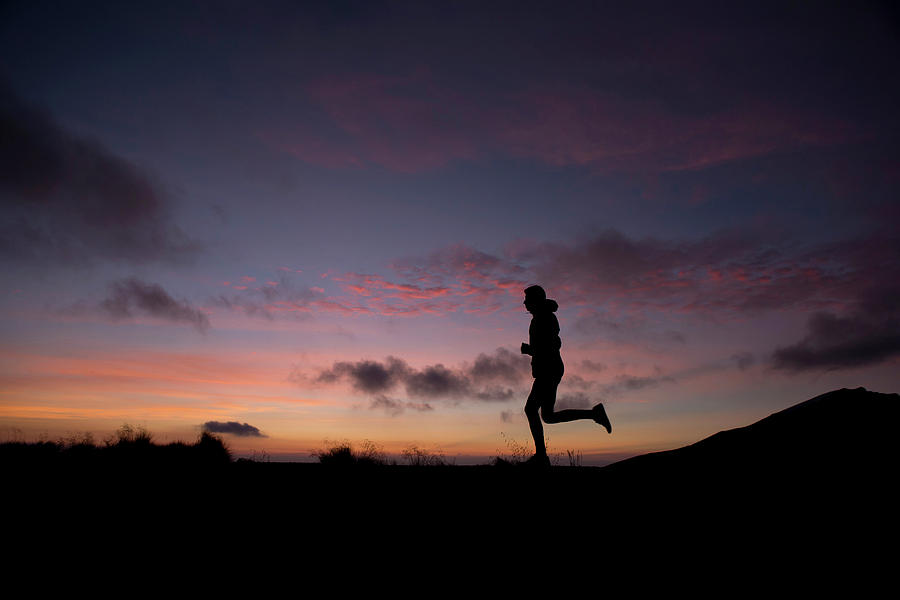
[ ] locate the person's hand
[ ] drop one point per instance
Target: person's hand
(526, 349)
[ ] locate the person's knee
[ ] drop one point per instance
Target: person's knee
(531, 411)
(549, 417)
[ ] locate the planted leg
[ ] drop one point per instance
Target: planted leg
(532, 411)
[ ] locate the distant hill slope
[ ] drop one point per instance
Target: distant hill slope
(838, 434)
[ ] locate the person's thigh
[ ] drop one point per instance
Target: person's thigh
(544, 389)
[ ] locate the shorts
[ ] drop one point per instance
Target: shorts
(547, 368)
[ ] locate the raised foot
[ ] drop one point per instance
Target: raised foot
(600, 417)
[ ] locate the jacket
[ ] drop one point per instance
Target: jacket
(545, 343)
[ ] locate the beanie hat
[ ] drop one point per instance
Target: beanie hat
(535, 293)
(538, 296)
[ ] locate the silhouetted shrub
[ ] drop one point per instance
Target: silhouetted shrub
(130, 435)
(128, 447)
(343, 454)
(213, 449)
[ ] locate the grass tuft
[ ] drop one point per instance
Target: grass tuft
(516, 452)
(342, 453)
(419, 457)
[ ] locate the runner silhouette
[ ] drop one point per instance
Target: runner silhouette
(547, 369)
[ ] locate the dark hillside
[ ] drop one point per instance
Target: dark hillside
(841, 434)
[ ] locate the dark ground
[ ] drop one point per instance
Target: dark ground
(807, 483)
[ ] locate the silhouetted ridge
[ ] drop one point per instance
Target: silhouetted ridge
(841, 432)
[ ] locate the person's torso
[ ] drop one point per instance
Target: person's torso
(543, 337)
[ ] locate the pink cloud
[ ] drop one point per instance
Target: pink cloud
(396, 297)
(286, 297)
(727, 275)
(614, 133)
(414, 123)
(334, 305)
(608, 276)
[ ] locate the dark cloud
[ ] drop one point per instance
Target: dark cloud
(867, 332)
(631, 383)
(368, 376)
(576, 381)
(396, 407)
(67, 199)
(496, 393)
(133, 297)
(834, 342)
(575, 400)
(504, 366)
(626, 384)
(437, 381)
(491, 378)
(391, 406)
(232, 428)
(591, 365)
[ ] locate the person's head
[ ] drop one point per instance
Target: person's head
(535, 298)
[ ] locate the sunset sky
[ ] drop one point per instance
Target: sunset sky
(308, 222)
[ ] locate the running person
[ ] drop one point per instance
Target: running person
(547, 369)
